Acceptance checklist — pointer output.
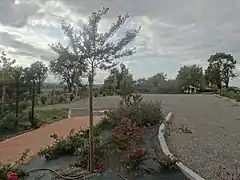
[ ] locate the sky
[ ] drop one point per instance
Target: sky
(174, 32)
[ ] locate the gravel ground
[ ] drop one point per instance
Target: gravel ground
(215, 140)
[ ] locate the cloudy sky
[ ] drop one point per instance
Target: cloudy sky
(174, 32)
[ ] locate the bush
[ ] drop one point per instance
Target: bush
(63, 146)
(16, 167)
(43, 99)
(71, 97)
(8, 123)
(133, 107)
(61, 99)
(23, 105)
(135, 159)
(95, 94)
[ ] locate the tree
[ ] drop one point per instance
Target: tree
(98, 51)
(40, 71)
(157, 79)
(6, 70)
(30, 80)
(220, 69)
(70, 65)
(17, 75)
(113, 81)
(190, 75)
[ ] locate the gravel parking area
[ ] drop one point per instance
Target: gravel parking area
(215, 140)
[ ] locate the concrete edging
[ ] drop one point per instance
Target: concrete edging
(185, 170)
(232, 101)
(70, 111)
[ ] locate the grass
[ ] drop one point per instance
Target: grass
(46, 116)
(51, 115)
(230, 93)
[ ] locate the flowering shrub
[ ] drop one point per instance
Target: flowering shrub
(133, 107)
(135, 159)
(12, 176)
(129, 129)
(63, 146)
(13, 171)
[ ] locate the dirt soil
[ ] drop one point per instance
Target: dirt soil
(12, 149)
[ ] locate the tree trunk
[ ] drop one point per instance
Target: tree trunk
(33, 120)
(220, 87)
(69, 86)
(17, 97)
(39, 87)
(227, 85)
(91, 141)
(3, 93)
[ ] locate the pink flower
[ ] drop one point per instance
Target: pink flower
(114, 134)
(12, 176)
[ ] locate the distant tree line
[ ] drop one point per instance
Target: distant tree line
(220, 70)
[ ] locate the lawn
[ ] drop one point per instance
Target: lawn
(46, 116)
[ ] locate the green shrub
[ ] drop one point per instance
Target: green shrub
(8, 123)
(63, 146)
(133, 107)
(71, 97)
(61, 99)
(43, 99)
(16, 167)
(95, 94)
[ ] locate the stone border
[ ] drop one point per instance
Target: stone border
(232, 101)
(70, 111)
(185, 170)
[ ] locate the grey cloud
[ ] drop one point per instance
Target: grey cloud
(16, 15)
(188, 30)
(24, 49)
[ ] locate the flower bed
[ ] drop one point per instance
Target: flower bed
(125, 143)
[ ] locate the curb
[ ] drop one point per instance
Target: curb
(70, 111)
(232, 101)
(185, 170)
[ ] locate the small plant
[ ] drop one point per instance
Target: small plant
(95, 94)
(71, 97)
(167, 162)
(14, 168)
(63, 146)
(43, 99)
(135, 159)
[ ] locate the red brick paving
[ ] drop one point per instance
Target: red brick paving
(11, 149)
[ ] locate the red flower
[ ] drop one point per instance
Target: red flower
(100, 166)
(12, 176)
(114, 134)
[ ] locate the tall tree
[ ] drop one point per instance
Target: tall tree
(6, 71)
(99, 51)
(70, 65)
(113, 81)
(221, 68)
(190, 75)
(17, 75)
(40, 70)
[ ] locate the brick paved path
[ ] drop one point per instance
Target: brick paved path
(11, 149)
